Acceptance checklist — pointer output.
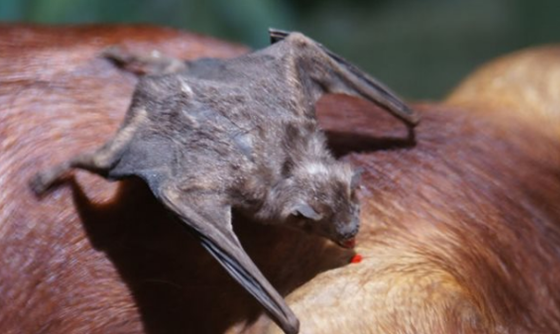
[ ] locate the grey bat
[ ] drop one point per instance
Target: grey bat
(210, 135)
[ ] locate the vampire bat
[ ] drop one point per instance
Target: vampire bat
(210, 135)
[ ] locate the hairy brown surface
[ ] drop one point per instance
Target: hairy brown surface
(460, 233)
(524, 83)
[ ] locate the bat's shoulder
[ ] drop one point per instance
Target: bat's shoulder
(161, 88)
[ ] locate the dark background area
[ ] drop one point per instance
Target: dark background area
(421, 48)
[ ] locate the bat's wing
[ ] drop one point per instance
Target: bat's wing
(210, 221)
(206, 215)
(337, 75)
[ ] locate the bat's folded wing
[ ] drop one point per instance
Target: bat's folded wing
(356, 81)
(210, 221)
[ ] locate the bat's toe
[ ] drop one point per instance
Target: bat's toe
(42, 181)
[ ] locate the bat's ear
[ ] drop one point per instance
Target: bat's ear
(305, 210)
(277, 35)
(356, 178)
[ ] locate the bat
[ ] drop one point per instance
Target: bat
(210, 135)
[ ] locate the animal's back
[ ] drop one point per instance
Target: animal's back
(461, 232)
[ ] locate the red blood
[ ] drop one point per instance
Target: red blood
(356, 259)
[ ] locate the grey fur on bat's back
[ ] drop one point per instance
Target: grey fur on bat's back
(231, 124)
(240, 130)
(212, 135)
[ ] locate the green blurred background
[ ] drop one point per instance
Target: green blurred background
(421, 48)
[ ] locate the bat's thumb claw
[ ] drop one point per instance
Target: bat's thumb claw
(292, 327)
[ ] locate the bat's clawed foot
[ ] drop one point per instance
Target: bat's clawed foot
(41, 182)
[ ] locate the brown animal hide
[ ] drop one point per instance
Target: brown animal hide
(460, 233)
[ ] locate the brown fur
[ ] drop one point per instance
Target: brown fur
(524, 83)
(459, 234)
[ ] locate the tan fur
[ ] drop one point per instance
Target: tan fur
(525, 83)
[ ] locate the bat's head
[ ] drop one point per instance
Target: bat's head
(324, 201)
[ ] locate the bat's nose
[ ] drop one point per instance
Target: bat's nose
(348, 230)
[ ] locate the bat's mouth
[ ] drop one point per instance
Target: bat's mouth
(347, 243)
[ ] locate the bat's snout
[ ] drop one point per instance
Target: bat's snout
(348, 243)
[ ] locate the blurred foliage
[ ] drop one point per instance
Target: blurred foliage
(421, 48)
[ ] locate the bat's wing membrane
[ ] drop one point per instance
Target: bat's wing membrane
(357, 81)
(210, 222)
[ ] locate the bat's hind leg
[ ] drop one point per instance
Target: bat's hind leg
(100, 161)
